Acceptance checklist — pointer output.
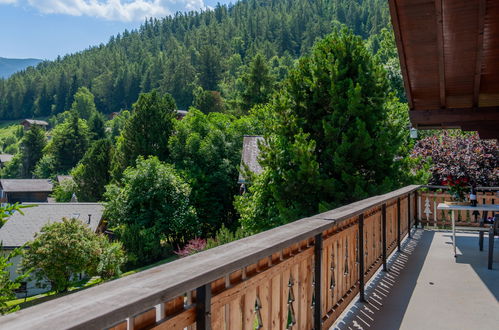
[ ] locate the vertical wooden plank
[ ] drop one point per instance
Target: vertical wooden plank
(361, 259)
(318, 281)
(284, 297)
(303, 306)
(264, 294)
(218, 317)
(235, 314)
(297, 288)
(276, 302)
(325, 272)
(383, 236)
(249, 308)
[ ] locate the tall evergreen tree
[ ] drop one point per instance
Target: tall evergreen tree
(329, 140)
(83, 103)
(147, 131)
(69, 143)
(258, 82)
(92, 173)
(32, 145)
(96, 125)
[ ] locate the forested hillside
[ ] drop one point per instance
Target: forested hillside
(191, 56)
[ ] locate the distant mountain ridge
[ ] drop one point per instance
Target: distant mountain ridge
(9, 66)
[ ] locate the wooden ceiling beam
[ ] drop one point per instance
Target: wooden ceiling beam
(453, 117)
(401, 51)
(440, 50)
(482, 8)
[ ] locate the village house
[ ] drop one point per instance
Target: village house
(4, 159)
(20, 229)
(28, 123)
(61, 178)
(181, 114)
(25, 190)
(249, 159)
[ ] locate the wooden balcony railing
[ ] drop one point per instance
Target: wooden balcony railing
(301, 276)
(431, 196)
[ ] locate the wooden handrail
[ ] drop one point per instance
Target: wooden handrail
(121, 300)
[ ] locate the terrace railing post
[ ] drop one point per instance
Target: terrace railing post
(383, 234)
(317, 282)
(361, 258)
(203, 307)
(398, 224)
(418, 206)
(409, 215)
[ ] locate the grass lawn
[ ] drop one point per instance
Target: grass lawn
(34, 300)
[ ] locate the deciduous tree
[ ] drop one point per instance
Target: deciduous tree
(64, 249)
(150, 210)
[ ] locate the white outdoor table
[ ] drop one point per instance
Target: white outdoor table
(479, 207)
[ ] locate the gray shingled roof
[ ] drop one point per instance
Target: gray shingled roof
(20, 229)
(61, 178)
(250, 155)
(36, 122)
(5, 158)
(26, 185)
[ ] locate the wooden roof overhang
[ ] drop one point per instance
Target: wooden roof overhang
(449, 56)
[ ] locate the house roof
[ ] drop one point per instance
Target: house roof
(35, 122)
(20, 229)
(249, 155)
(61, 178)
(449, 56)
(5, 158)
(26, 185)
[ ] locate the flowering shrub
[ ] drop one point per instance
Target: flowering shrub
(458, 187)
(460, 155)
(193, 246)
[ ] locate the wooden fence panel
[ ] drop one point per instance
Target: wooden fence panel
(430, 216)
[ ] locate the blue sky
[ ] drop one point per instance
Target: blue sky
(47, 28)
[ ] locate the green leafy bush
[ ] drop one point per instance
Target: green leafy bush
(150, 211)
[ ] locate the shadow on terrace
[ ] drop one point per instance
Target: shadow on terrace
(426, 288)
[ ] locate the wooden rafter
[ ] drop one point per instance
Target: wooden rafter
(453, 117)
(479, 52)
(401, 51)
(440, 49)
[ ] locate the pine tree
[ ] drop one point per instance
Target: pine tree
(329, 139)
(92, 173)
(96, 124)
(147, 131)
(69, 143)
(258, 82)
(83, 103)
(32, 145)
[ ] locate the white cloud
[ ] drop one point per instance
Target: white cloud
(8, 1)
(115, 10)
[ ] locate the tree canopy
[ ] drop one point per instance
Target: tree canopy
(150, 211)
(147, 131)
(329, 140)
(62, 250)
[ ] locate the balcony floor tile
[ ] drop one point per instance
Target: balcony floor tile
(427, 288)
